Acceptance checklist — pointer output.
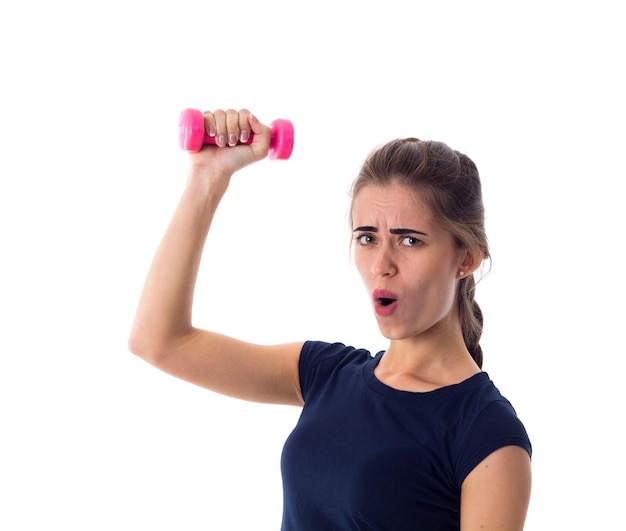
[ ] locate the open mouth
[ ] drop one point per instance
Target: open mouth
(385, 302)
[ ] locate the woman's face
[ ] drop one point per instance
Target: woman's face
(409, 264)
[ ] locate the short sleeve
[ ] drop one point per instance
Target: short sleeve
(319, 360)
(494, 427)
(311, 355)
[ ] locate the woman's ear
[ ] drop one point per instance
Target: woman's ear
(470, 262)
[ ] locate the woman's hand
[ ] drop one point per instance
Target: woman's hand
(228, 128)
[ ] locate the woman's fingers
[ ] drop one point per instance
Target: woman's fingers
(232, 127)
(228, 127)
(244, 125)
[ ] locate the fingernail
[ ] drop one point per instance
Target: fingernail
(221, 141)
(244, 136)
(232, 139)
(211, 130)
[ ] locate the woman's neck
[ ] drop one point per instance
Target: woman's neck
(427, 362)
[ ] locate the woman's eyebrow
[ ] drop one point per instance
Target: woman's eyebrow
(407, 231)
(367, 228)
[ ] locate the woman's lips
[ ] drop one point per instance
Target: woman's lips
(385, 302)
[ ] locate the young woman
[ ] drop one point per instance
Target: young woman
(415, 437)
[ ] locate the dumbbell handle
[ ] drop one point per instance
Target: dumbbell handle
(192, 135)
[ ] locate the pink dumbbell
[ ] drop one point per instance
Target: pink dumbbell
(192, 135)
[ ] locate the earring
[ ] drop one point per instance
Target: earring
(461, 273)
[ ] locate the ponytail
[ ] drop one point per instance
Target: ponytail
(471, 317)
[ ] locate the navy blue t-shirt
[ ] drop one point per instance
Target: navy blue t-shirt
(365, 456)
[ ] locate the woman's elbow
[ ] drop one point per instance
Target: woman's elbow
(147, 347)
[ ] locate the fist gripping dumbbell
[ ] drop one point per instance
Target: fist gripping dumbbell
(192, 135)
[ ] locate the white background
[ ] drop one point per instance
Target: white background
(94, 438)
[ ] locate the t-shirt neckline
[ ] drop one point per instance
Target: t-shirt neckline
(442, 393)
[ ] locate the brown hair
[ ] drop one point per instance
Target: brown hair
(450, 183)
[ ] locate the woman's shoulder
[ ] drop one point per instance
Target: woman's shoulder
(315, 353)
(489, 422)
(319, 360)
(324, 349)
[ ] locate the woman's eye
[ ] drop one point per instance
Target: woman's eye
(410, 241)
(365, 239)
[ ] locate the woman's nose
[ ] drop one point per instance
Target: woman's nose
(383, 264)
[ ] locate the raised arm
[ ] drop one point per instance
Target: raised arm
(163, 333)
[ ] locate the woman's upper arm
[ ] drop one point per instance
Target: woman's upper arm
(258, 373)
(496, 493)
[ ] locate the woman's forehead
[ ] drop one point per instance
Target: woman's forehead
(395, 200)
